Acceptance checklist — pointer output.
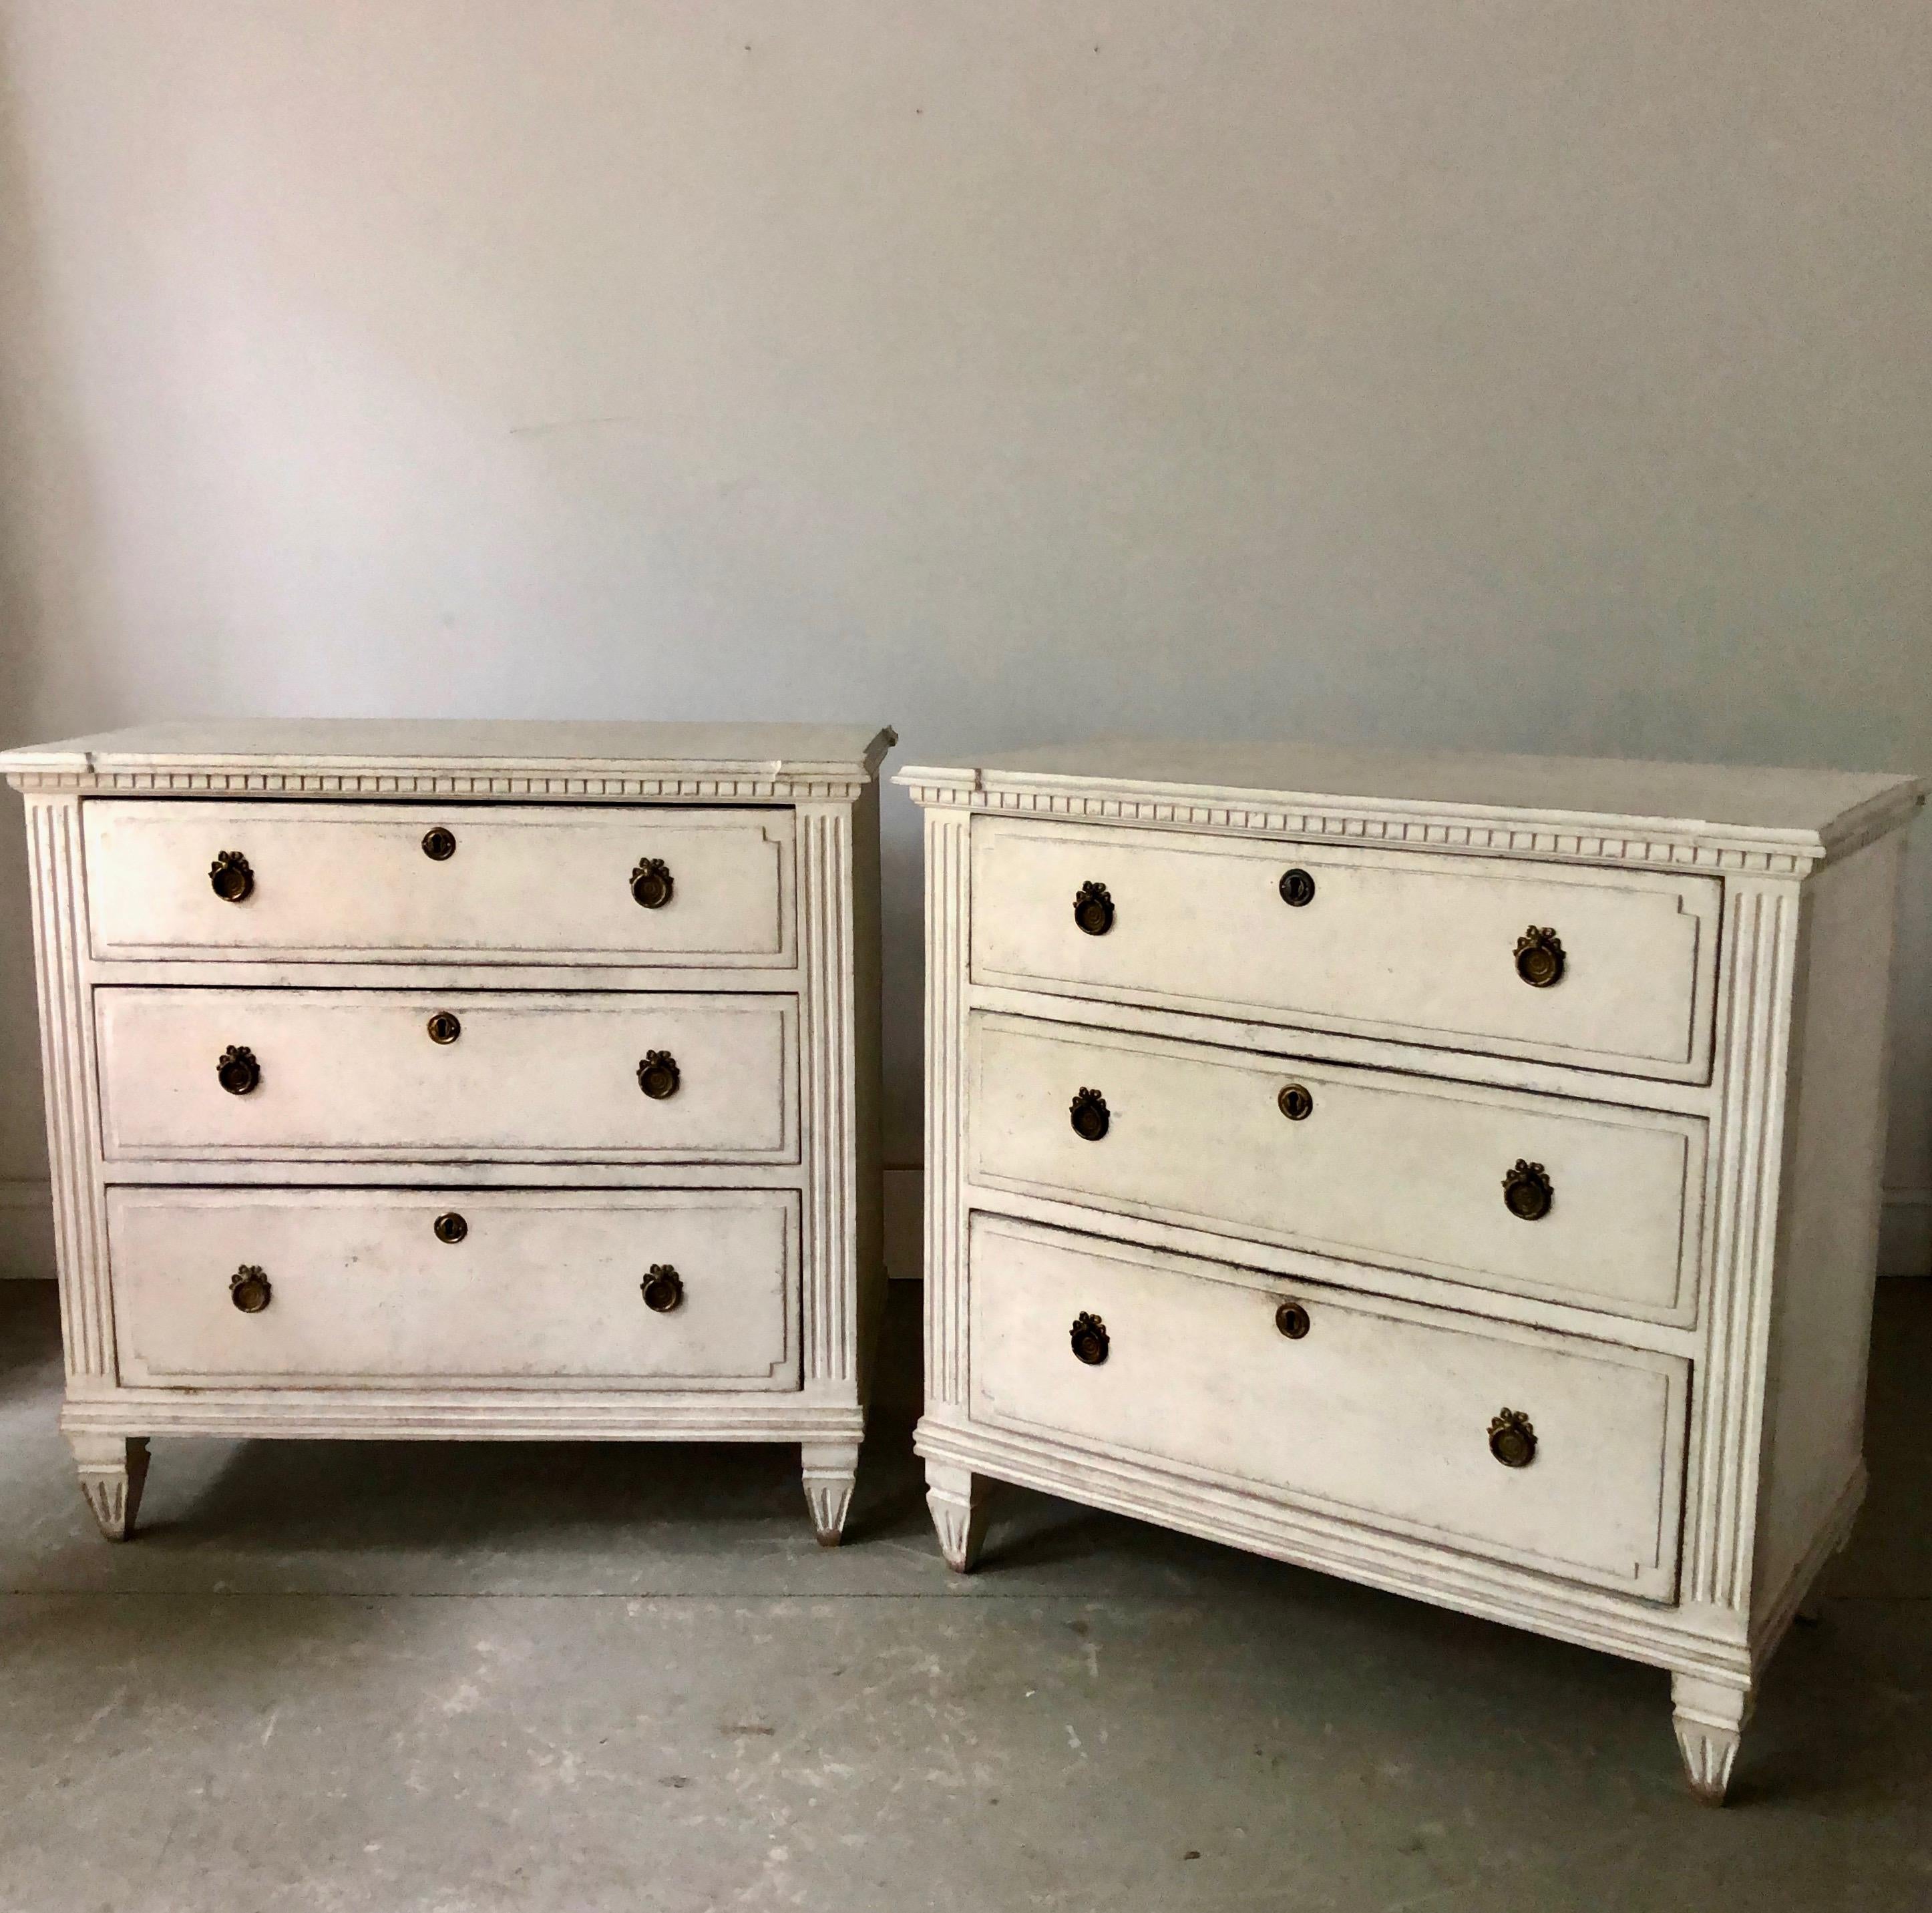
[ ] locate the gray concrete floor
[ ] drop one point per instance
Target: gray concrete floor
(455, 1679)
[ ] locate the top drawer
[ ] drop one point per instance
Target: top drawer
(1393, 943)
(509, 883)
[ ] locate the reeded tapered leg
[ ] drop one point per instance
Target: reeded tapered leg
(958, 1498)
(1710, 1720)
(830, 1470)
(113, 1468)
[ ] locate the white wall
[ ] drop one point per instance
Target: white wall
(1549, 375)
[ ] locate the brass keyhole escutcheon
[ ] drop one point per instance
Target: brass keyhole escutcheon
(651, 882)
(1527, 1192)
(1089, 1336)
(663, 1288)
(1512, 1439)
(450, 1228)
(1292, 1318)
(1539, 957)
(1094, 910)
(1090, 1119)
(1296, 1103)
(249, 1290)
(229, 877)
(1297, 888)
(658, 1074)
(238, 1072)
(439, 843)
(444, 1026)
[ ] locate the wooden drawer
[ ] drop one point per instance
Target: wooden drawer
(545, 1290)
(1403, 945)
(1406, 1171)
(524, 884)
(1382, 1411)
(355, 1074)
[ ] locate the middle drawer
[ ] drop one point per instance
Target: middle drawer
(1536, 1196)
(510, 1075)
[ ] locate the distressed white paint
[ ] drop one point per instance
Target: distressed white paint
(1393, 944)
(1717, 1378)
(757, 1180)
(351, 1073)
(542, 1291)
(1381, 1410)
(1400, 1169)
(350, 880)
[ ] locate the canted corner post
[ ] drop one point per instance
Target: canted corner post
(831, 1467)
(1710, 1717)
(958, 1499)
(113, 1470)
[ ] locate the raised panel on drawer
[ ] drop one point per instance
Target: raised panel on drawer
(1381, 1411)
(544, 1291)
(1398, 944)
(1407, 1172)
(354, 1074)
(526, 883)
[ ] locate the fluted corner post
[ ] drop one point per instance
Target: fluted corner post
(59, 902)
(1750, 1136)
(948, 941)
(834, 1101)
(1761, 919)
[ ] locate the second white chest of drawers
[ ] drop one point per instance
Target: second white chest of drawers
(1461, 1174)
(452, 1080)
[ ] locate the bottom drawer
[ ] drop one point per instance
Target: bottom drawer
(541, 1288)
(1379, 1409)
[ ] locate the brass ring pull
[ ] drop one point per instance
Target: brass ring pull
(444, 1026)
(1090, 1339)
(658, 1074)
(1292, 1318)
(651, 882)
(1090, 1119)
(450, 1228)
(1527, 1192)
(1297, 888)
(439, 843)
(229, 877)
(663, 1288)
(1296, 1102)
(238, 1072)
(1094, 910)
(1512, 1439)
(1539, 957)
(249, 1290)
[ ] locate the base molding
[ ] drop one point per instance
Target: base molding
(1656, 1634)
(478, 1416)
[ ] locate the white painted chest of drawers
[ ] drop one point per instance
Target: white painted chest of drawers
(444, 1080)
(1461, 1174)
